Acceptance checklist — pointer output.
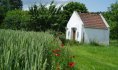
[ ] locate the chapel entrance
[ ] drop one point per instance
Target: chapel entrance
(73, 33)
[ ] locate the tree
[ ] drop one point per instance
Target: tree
(17, 20)
(52, 17)
(15, 4)
(6, 5)
(43, 18)
(11, 4)
(1, 14)
(74, 6)
(112, 18)
(3, 9)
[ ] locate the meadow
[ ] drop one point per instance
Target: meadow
(20, 50)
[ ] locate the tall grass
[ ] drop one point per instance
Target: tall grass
(21, 50)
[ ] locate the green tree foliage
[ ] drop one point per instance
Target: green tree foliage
(3, 9)
(17, 19)
(112, 18)
(11, 4)
(44, 18)
(15, 4)
(74, 6)
(1, 14)
(6, 5)
(52, 17)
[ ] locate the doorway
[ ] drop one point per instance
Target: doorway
(83, 38)
(74, 33)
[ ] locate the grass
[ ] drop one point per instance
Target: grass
(20, 50)
(90, 57)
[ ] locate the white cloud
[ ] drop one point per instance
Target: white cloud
(28, 3)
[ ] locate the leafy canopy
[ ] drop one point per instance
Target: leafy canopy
(17, 20)
(112, 18)
(6, 5)
(74, 6)
(44, 18)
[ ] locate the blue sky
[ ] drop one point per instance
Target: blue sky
(92, 5)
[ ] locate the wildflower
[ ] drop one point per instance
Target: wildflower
(71, 64)
(55, 51)
(57, 54)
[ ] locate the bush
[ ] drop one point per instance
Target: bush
(62, 37)
(59, 35)
(16, 20)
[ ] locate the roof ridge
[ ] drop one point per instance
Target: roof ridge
(89, 13)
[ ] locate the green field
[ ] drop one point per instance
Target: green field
(20, 50)
(89, 57)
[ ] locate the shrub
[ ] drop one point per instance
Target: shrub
(16, 20)
(62, 38)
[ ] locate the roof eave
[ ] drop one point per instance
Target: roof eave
(96, 28)
(104, 21)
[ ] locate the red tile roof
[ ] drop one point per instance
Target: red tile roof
(92, 20)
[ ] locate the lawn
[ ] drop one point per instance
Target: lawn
(89, 57)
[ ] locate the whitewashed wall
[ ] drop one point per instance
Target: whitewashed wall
(99, 35)
(74, 22)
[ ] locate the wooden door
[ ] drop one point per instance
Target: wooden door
(74, 33)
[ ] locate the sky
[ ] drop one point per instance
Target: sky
(92, 5)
